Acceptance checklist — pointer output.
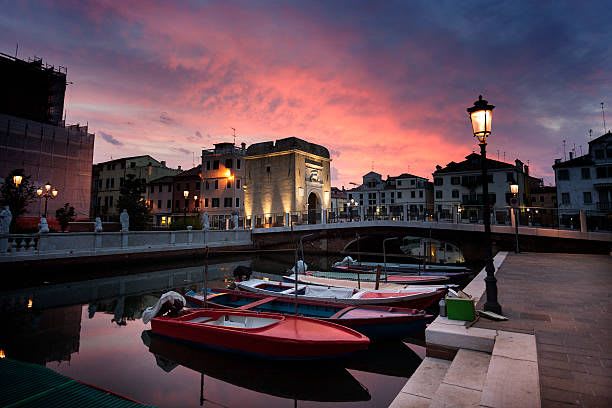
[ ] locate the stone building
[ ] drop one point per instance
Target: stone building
(160, 200)
(286, 182)
(458, 188)
(187, 210)
(108, 178)
(585, 183)
(223, 170)
(396, 196)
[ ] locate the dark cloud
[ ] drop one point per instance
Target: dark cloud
(198, 134)
(107, 137)
(181, 150)
(166, 119)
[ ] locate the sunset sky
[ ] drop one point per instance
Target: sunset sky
(380, 84)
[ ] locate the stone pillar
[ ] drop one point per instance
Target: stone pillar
(287, 219)
(124, 239)
(189, 235)
(323, 216)
(97, 241)
(405, 211)
(3, 244)
(583, 221)
(513, 217)
(172, 238)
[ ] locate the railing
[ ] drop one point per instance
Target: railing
(536, 217)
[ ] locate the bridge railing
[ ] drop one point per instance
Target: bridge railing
(525, 216)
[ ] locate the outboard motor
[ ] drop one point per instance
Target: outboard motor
(242, 273)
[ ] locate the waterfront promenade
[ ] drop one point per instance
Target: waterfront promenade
(565, 300)
(553, 352)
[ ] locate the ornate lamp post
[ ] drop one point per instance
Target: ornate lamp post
(480, 117)
(17, 180)
(196, 203)
(185, 194)
(47, 192)
(514, 189)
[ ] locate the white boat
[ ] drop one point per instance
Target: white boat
(416, 298)
(311, 278)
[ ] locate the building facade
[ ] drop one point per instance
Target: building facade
(33, 136)
(160, 200)
(223, 170)
(108, 178)
(458, 188)
(187, 209)
(394, 197)
(286, 182)
(585, 183)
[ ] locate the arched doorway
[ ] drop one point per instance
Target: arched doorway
(313, 208)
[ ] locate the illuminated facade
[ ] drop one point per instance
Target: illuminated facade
(287, 182)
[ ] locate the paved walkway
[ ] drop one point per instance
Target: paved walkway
(566, 301)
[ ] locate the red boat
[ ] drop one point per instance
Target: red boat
(267, 335)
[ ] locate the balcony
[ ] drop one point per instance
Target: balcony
(604, 206)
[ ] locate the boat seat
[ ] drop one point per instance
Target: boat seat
(200, 319)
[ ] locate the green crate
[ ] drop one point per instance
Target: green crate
(460, 309)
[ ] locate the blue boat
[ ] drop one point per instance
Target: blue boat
(376, 322)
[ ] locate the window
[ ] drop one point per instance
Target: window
(399, 182)
(169, 204)
(563, 174)
(197, 186)
(151, 188)
(455, 180)
(215, 202)
(237, 184)
(420, 193)
(216, 165)
(541, 198)
(186, 203)
(207, 185)
(587, 197)
(412, 182)
(599, 154)
(110, 201)
(510, 177)
(601, 172)
(227, 201)
(121, 180)
(438, 194)
(216, 184)
(565, 198)
(399, 194)
(586, 173)
(238, 164)
(159, 204)
(237, 201)
(107, 183)
(132, 164)
(123, 165)
(413, 194)
(438, 181)
(112, 183)
(177, 204)
(206, 202)
(268, 169)
(229, 163)
(455, 194)
(228, 185)
(609, 151)
(159, 188)
(208, 165)
(169, 188)
(106, 201)
(178, 186)
(108, 167)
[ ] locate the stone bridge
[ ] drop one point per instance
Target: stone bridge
(342, 237)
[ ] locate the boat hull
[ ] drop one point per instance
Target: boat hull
(286, 339)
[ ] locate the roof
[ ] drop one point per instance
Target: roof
(473, 163)
(602, 138)
(127, 158)
(289, 143)
(193, 172)
(575, 162)
(403, 176)
(544, 190)
(163, 179)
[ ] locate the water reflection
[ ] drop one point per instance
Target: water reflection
(327, 382)
(91, 331)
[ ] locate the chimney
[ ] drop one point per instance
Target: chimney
(438, 167)
(571, 155)
(179, 168)
(557, 161)
(163, 163)
(243, 145)
(526, 170)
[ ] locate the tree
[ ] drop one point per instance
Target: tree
(17, 198)
(132, 200)
(65, 215)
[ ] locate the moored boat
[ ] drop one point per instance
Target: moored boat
(376, 322)
(416, 298)
(355, 274)
(267, 335)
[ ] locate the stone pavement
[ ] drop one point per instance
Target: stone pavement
(565, 300)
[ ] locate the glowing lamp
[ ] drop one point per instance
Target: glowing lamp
(481, 115)
(185, 193)
(48, 186)
(54, 193)
(17, 180)
(514, 188)
(39, 191)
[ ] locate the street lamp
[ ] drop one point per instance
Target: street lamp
(480, 116)
(514, 189)
(48, 192)
(185, 194)
(351, 206)
(196, 203)
(17, 180)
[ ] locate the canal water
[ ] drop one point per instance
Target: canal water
(91, 330)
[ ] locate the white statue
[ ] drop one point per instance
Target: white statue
(5, 220)
(98, 227)
(235, 221)
(205, 221)
(43, 226)
(124, 218)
